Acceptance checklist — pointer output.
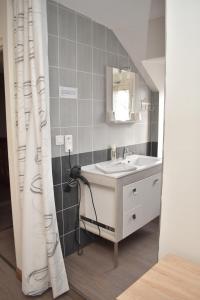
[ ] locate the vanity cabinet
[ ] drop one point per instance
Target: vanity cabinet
(123, 203)
(141, 203)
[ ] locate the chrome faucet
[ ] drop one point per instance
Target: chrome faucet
(125, 152)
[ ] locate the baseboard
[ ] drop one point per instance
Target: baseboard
(19, 274)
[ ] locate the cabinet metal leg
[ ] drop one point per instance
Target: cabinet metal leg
(115, 255)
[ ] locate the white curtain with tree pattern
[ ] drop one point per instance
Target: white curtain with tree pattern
(42, 260)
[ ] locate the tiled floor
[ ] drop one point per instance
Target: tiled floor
(10, 286)
(91, 275)
(5, 208)
(7, 248)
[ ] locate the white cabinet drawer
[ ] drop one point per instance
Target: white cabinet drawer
(141, 203)
(131, 196)
(132, 220)
(144, 192)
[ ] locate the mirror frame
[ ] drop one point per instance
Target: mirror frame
(110, 117)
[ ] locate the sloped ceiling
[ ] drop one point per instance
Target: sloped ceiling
(156, 69)
(136, 23)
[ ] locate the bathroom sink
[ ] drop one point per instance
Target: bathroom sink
(142, 160)
(116, 166)
(130, 164)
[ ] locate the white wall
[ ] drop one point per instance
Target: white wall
(156, 38)
(156, 69)
(6, 36)
(161, 122)
(180, 216)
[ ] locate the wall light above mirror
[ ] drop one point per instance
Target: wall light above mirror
(120, 96)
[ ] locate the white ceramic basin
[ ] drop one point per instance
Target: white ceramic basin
(142, 160)
(117, 166)
(130, 164)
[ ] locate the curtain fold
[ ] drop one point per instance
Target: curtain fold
(42, 260)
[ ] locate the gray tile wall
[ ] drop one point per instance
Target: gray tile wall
(79, 50)
(154, 116)
(154, 123)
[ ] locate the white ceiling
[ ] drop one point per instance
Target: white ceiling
(126, 13)
(128, 19)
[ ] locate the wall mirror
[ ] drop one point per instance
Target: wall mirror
(120, 96)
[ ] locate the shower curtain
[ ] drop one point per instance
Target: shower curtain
(42, 260)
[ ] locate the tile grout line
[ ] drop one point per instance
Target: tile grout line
(67, 208)
(100, 125)
(85, 44)
(80, 99)
(106, 149)
(71, 69)
(69, 232)
(13, 267)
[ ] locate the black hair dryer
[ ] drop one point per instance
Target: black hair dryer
(75, 173)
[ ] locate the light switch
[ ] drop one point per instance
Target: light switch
(59, 140)
(68, 143)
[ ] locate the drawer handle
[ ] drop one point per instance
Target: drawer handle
(134, 193)
(134, 216)
(155, 181)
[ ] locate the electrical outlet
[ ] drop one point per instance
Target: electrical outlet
(68, 143)
(59, 140)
